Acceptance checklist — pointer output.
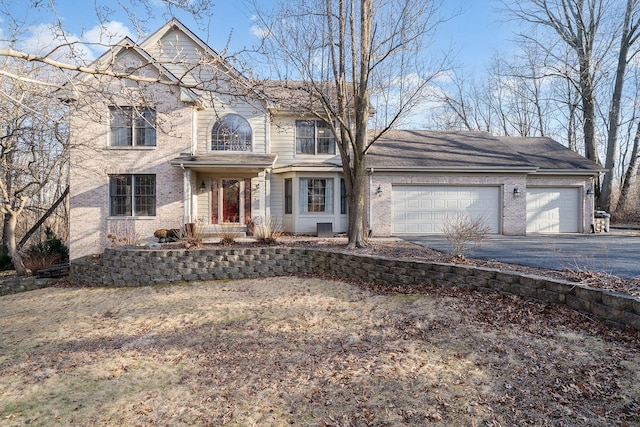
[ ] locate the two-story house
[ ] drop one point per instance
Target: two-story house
(190, 140)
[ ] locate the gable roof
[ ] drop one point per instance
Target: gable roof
(424, 150)
(105, 61)
(178, 73)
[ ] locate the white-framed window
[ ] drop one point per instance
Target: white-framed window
(288, 196)
(343, 197)
(314, 137)
(132, 195)
(231, 133)
(316, 195)
(132, 127)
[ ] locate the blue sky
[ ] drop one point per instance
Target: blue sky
(473, 35)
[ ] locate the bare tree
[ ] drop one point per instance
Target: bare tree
(624, 201)
(590, 28)
(577, 23)
(32, 150)
(350, 55)
(629, 35)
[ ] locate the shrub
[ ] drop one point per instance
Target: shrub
(5, 262)
(36, 261)
(228, 234)
(268, 231)
(122, 232)
(46, 254)
(463, 232)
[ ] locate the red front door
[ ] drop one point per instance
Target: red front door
(230, 201)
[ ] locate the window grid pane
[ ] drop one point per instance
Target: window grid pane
(314, 137)
(130, 126)
(316, 195)
(121, 132)
(145, 195)
(326, 141)
(288, 196)
(231, 133)
(305, 137)
(120, 189)
(145, 132)
(132, 195)
(343, 197)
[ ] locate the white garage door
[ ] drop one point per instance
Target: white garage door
(424, 209)
(553, 210)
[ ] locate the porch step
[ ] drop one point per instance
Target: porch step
(213, 233)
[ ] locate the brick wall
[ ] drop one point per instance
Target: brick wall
(93, 160)
(139, 267)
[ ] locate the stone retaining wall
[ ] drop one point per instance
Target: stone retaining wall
(23, 284)
(133, 267)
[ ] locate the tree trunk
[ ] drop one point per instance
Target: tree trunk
(42, 219)
(357, 234)
(606, 193)
(588, 111)
(625, 191)
(12, 246)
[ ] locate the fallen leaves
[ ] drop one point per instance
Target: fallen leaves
(309, 351)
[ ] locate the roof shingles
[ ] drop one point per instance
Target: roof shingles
(421, 149)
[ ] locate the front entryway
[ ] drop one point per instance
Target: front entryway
(230, 201)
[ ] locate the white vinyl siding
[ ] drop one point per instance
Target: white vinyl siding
(418, 209)
(553, 210)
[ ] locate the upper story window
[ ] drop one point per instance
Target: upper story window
(231, 133)
(133, 127)
(314, 137)
(132, 195)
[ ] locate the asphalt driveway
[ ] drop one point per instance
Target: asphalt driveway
(616, 252)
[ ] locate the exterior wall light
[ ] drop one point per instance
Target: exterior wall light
(379, 191)
(203, 186)
(589, 192)
(516, 192)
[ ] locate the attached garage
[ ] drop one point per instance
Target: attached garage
(553, 210)
(420, 209)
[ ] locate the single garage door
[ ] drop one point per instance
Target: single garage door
(424, 209)
(553, 210)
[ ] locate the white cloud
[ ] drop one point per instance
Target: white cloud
(107, 34)
(48, 39)
(259, 32)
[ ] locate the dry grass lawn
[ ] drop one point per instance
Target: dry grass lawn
(308, 351)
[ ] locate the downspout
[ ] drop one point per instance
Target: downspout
(194, 130)
(370, 216)
(187, 194)
(265, 193)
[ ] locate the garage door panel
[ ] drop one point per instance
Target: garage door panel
(436, 203)
(553, 210)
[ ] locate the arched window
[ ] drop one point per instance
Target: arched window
(231, 133)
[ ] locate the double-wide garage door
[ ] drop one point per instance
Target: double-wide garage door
(553, 210)
(424, 209)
